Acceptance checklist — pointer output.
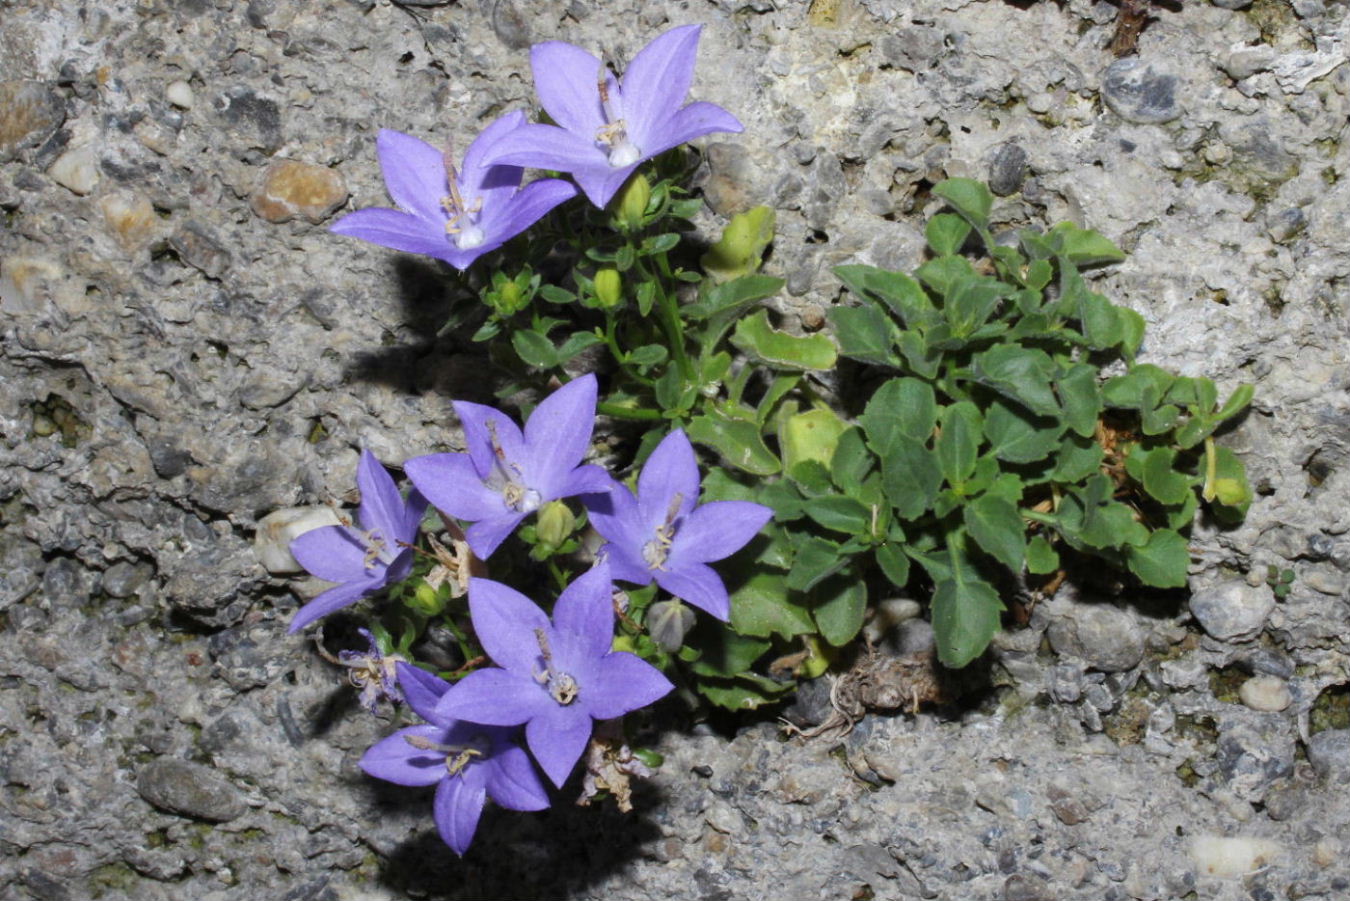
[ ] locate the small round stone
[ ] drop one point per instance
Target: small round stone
(1007, 169)
(1233, 611)
(1140, 93)
(179, 93)
(76, 170)
(291, 189)
(1266, 693)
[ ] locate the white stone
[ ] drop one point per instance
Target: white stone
(276, 531)
(1265, 692)
(1217, 855)
(179, 93)
(76, 170)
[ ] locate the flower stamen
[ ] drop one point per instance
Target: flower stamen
(613, 135)
(462, 224)
(655, 552)
(457, 757)
(561, 686)
(506, 477)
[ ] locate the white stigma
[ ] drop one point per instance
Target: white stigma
(469, 238)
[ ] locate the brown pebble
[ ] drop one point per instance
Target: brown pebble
(29, 111)
(131, 219)
(291, 189)
(813, 317)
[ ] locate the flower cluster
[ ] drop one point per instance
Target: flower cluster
(607, 127)
(554, 677)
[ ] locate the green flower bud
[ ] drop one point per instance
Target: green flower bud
(555, 524)
(608, 288)
(632, 203)
(510, 298)
(426, 600)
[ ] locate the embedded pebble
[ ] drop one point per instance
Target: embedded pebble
(292, 189)
(76, 170)
(131, 219)
(179, 93)
(1266, 693)
(1226, 857)
(276, 531)
(124, 579)
(29, 112)
(189, 789)
(1329, 753)
(1007, 169)
(1233, 611)
(1137, 92)
(1105, 637)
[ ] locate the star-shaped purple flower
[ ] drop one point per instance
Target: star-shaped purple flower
(662, 535)
(365, 557)
(467, 762)
(507, 475)
(609, 127)
(453, 216)
(556, 677)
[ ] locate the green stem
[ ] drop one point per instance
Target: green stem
(673, 324)
(1048, 519)
(618, 411)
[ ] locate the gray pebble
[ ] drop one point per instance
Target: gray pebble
(1285, 225)
(510, 26)
(1329, 753)
(1232, 4)
(123, 579)
(1007, 169)
(189, 789)
(200, 249)
(1253, 752)
(1106, 638)
(1233, 611)
(1137, 92)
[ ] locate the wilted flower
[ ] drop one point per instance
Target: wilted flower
(556, 677)
(364, 557)
(607, 127)
(467, 762)
(662, 535)
(453, 216)
(507, 475)
(370, 671)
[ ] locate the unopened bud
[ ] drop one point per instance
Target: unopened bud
(426, 600)
(633, 200)
(608, 288)
(511, 298)
(555, 523)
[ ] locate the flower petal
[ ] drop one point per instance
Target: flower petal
(549, 147)
(334, 553)
(413, 510)
(657, 80)
(508, 218)
(670, 472)
(566, 79)
(454, 487)
(586, 609)
(506, 623)
(396, 230)
(557, 739)
(458, 805)
(335, 599)
(558, 434)
(494, 697)
(394, 760)
(513, 781)
(584, 480)
(382, 507)
(488, 431)
(614, 514)
(699, 585)
(479, 176)
(694, 121)
(601, 183)
(624, 682)
(626, 564)
(715, 530)
(421, 690)
(414, 173)
(486, 535)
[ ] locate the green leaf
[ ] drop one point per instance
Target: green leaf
(811, 478)
(813, 435)
(894, 563)
(726, 651)
(1090, 516)
(733, 296)
(1101, 323)
(535, 349)
(942, 273)
(901, 294)
(646, 297)
(902, 406)
(957, 446)
(1039, 273)
(910, 476)
(1160, 477)
(575, 344)
(946, 233)
(1079, 396)
(761, 607)
(1143, 385)
(745, 692)
(1131, 331)
(661, 243)
(1197, 393)
(1018, 436)
(1238, 401)
(1162, 561)
(1078, 458)
(760, 341)
(739, 442)
(741, 248)
(865, 334)
(672, 392)
(851, 462)
(924, 360)
(840, 514)
(840, 608)
(782, 496)
(1020, 373)
(1083, 246)
(998, 529)
(816, 559)
(971, 198)
(1042, 559)
(969, 302)
(1228, 485)
(647, 355)
(965, 613)
(555, 294)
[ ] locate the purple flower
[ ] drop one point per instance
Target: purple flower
(370, 671)
(556, 677)
(608, 127)
(661, 535)
(467, 762)
(453, 216)
(507, 475)
(366, 557)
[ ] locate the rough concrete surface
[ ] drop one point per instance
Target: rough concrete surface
(177, 325)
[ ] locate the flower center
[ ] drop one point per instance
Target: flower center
(457, 757)
(377, 549)
(655, 552)
(461, 224)
(561, 686)
(612, 137)
(506, 478)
